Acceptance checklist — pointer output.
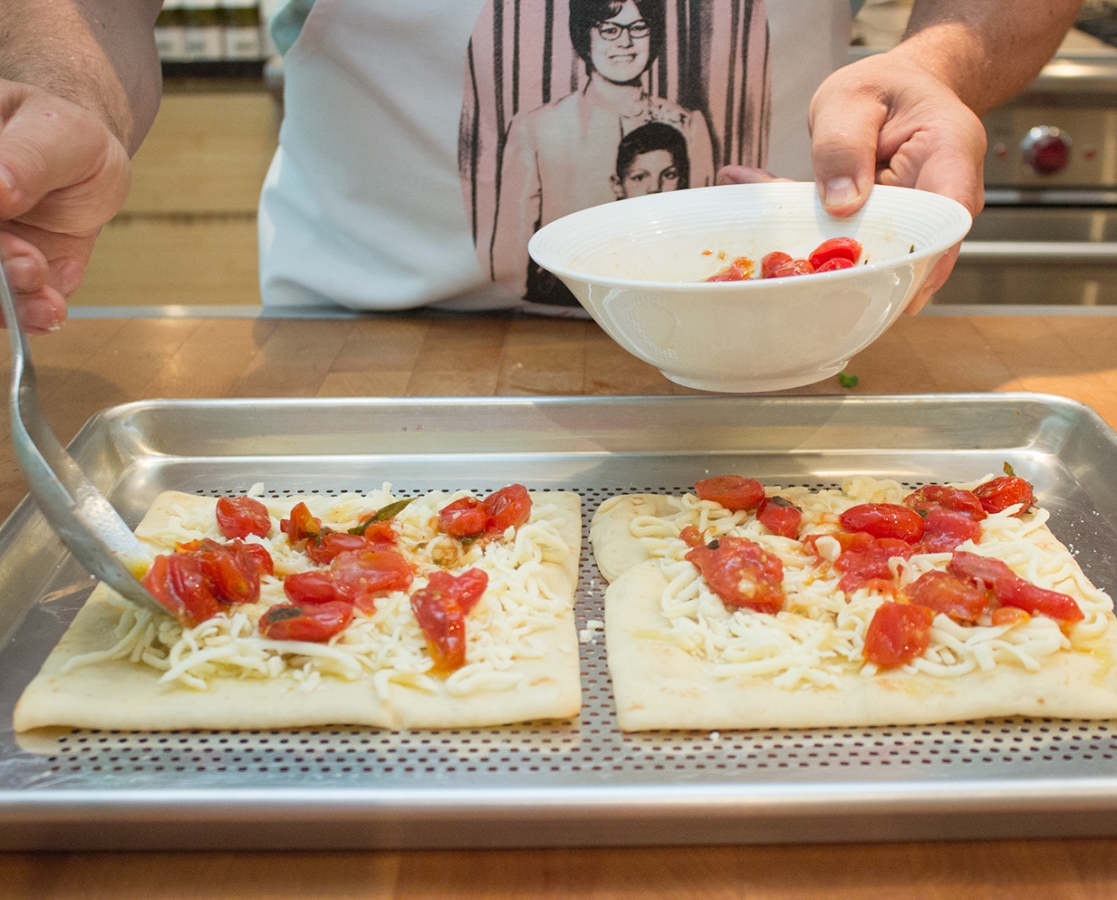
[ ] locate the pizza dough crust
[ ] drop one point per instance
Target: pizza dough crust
(658, 685)
(121, 695)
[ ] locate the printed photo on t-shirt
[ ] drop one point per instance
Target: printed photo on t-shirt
(573, 103)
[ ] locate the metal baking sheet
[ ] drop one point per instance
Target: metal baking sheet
(554, 783)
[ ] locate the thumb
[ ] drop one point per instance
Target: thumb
(60, 168)
(844, 136)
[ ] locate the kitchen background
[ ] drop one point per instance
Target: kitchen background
(187, 235)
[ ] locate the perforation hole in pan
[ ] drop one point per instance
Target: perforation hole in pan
(592, 744)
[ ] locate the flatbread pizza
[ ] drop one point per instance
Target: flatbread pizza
(440, 611)
(871, 604)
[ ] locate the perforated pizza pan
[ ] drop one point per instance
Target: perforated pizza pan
(580, 782)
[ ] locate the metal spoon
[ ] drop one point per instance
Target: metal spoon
(85, 520)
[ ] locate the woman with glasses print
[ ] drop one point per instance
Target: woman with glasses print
(398, 140)
(561, 157)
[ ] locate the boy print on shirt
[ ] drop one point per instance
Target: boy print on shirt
(552, 89)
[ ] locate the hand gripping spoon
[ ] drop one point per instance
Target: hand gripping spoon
(85, 520)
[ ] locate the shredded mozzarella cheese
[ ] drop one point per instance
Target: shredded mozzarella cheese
(820, 633)
(387, 644)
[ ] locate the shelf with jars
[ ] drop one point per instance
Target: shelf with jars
(213, 38)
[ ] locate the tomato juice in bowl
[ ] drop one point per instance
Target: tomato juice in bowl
(639, 266)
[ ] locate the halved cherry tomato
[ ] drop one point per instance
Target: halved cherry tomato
(771, 262)
(443, 624)
(314, 623)
(833, 265)
(265, 565)
(793, 268)
(362, 575)
(301, 525)
(884, 520)
(865, 563)
(897, 634)
(1012, 590)
(945, 592)
(741, 573)
(324, 547)
(740, 269)
(232, 572)
(465, 517)
(734, 492)
(238, 517)
(465, 588)
(510, 507)
(780, 516)
(691, 536)
(939, 496)
(380, 534)
(1007, 490)
(313, 586)
(179, 583)
(839, 248)
(945, 529)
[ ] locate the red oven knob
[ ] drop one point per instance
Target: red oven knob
(1046, 149)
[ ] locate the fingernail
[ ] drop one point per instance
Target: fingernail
(23, 274)
(6, 180)
(41, 316)
(70, 273)
(840, 191)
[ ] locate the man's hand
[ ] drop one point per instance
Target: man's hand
(63, 174)
(909, 117)
(883, 120)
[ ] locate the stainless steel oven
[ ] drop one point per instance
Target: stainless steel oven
(1048, 234)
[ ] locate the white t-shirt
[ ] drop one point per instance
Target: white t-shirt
(424, 141)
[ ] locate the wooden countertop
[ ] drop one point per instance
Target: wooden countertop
(95, 363)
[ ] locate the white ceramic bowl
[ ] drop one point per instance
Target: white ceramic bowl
(639, 267)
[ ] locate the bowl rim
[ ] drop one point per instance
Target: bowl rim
(754, 284)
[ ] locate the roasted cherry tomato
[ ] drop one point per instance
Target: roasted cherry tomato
(1012, 590)
(780, 516)
(179, 583)
(314, 623)
(945, 592)
(770, 263)
(734, 492)
(1001, 493)
(741, 573)
(380, 534)
(442, 621)
(740, 269)
(465, 588)
(840, 248)
(939, 496)
(510, 507)
(691, 536)
(794, 267)
(897, 634)
(884, 520)
(833, 265)
(440, 609)
(265, 565)
(325, 547)
(238, 517)
(865, 562)
(301, 525)
(465, 517)
(1035, 600)
(362, 575)
(944, 530)
(314, 586)
(232, 572)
